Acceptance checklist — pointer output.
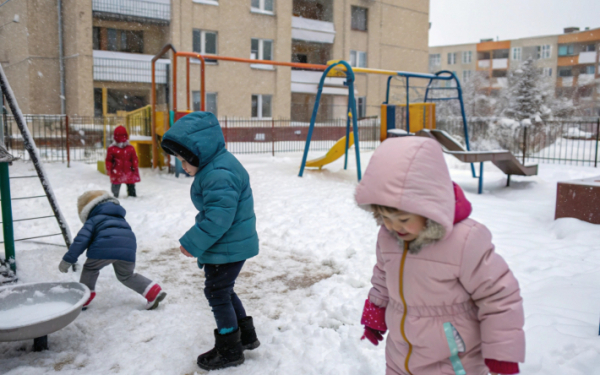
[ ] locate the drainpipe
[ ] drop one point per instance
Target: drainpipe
(61, 61)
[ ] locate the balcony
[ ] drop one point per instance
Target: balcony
(483, 64)
(585, 79)
(153, 11)
(312, 30)
(128, 67)
(500, 64)
(306, 82)
(587, 57)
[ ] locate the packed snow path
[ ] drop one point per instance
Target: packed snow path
(307, 287)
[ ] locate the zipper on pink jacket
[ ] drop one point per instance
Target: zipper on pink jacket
(410, 347)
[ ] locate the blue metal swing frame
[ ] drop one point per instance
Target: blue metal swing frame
(444, 75)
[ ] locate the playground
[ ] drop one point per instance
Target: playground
(306, 289)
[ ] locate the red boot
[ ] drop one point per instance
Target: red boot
(154, 295)
(92, 296)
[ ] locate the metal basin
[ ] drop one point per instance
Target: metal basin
(30, 311)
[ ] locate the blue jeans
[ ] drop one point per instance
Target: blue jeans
(218, 289)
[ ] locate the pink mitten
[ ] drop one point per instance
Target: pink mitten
(373, 318)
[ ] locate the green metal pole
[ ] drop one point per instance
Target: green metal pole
(7, 220)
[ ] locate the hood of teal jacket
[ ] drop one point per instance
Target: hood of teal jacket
(200, 133)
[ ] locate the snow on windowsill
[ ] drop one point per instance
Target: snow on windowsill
(206, 2)
(260, 11)
(262, 67)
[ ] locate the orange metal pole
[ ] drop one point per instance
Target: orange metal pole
(164, 50)
(252, 61)
(153, 131)
(202, 84)
(187, 73)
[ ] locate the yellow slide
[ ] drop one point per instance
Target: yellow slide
(336, 152)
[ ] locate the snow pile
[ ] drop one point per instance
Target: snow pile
(307, 287)
(23, 315)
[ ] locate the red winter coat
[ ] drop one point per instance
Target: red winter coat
(121, 160)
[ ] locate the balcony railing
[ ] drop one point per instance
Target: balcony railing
(140, 10)
(500, 64)
(307, 82)
(587, 57)
(128, 67)
(312, 30)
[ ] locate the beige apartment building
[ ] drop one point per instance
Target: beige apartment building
(107, 46)
(571, 61)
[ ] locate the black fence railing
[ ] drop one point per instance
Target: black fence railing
(559, 141)
(244, 136)
(88, 137)
(565, 142)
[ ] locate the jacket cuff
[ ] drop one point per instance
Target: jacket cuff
(380, 302)
(502, 367)
(190, 240)
(373, 316)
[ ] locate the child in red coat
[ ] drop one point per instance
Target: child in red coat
(122, 163)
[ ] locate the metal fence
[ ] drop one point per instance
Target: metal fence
(574, 142)
(157, 10)
(565, 142)
(244, 136)
(87, 137)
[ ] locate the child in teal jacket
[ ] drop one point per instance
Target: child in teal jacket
(224, 234)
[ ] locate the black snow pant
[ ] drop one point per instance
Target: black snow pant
(218, 289)
(116, 188)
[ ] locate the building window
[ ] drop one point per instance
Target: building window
(210, 102)
(205, 42)
(588, 48)
(359, 18)
(361, 106)
(547, 72)
(588, 69)
(516, 53)
(261, 106)
(452, 58)
(358, 59)
(466, 75)
(435, 60)
(265, 6)
(544, 52)
(108, 39)
(261, 49)
(565, 71)
(467, 56)
(566, 50)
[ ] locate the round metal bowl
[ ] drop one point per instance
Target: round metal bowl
(44, 322)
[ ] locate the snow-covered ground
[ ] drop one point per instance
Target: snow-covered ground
(307, 287)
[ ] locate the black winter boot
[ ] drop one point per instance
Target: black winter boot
(131, 190)
(226, 353)
(249, 339)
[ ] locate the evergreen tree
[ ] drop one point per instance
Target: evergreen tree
(528, 94)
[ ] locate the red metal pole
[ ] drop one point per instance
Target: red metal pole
(68, 149)
(272, 137)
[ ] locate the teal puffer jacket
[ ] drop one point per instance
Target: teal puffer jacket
(225, 229)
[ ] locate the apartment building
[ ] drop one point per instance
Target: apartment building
(570, 61)
(107, 46)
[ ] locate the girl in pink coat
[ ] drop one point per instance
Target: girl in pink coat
(451, 304)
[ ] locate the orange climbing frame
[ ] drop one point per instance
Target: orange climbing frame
(194, 55)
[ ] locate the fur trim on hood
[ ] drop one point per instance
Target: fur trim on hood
(90, 199)
(432, 233)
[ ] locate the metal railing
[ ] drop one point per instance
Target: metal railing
(138, 9)
(124, 70)
(574, 142)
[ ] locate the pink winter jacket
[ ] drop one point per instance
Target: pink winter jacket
(458, 279)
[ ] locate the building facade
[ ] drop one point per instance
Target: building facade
(108, 45)
(570, 61)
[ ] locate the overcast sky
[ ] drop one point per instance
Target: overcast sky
(468, 21)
